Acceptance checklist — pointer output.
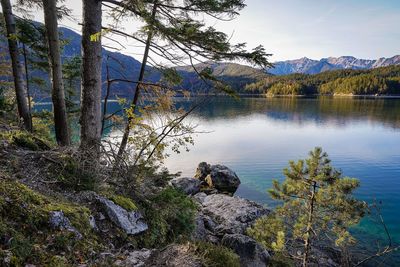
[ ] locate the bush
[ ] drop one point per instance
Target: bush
(75, 176)
(170, 216)
(216, 256)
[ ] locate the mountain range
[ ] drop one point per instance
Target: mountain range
(236, 75)
(310, 66)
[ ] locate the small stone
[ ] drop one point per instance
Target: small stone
(59, 221)
(92, 222)
(101, 216)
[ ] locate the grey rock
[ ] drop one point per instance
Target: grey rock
(101, 216)
(218, 177)
(188, 185)
(131, 222)
(230, 215)
(199, 197)
(250, 252)
(223, 179)
(59, 221)
(202, 171)
(92, 222)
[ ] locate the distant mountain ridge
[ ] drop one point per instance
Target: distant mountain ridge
(311, 66)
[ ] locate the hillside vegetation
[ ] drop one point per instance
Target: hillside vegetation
(379, 81)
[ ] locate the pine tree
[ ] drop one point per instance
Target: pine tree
(90, 118)
(58, 96)
(174, 31)
(19, 84)
(317, 207)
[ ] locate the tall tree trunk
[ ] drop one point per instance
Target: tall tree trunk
(90, 119)
(307, 240)
(27, 77)
(58, 96)
(20, 89)
(103, 120)
(134, 102)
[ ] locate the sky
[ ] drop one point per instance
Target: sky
(291, 29)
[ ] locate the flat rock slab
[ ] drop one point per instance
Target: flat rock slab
(232, 215)
(131, 222)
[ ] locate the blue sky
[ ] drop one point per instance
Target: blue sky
(292, 29)
(321, 28)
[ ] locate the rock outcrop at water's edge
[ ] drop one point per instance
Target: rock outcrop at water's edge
(224, 219)
(189, 186)
(218, 177)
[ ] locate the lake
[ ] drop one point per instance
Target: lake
(256, 137)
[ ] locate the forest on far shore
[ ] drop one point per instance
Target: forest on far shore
(379, 81)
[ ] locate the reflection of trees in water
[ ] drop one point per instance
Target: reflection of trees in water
(323, 110)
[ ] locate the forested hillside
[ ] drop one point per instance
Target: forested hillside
(381, 81)
(125, 67)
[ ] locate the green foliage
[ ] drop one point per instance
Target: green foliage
(382, 81)
(317, 206)
(216, 255)
(170, 215)
(26, 233)
(290, 88)
(43, 125)
(25, 140)
(71, 75)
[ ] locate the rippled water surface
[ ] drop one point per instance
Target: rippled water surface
(257, 136)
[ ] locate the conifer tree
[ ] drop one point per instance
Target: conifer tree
(317, 207)
(58, 96)
(174, 31)
(19, 84)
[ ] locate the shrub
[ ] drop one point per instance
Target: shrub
(170, 216)
(73, 175)
(216, 256)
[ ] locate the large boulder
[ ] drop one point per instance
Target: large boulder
(224, 214)
(190, 186)
(203, 169)
(130, 221)
(220, 177)
(250, 252)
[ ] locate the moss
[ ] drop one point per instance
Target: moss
(124, 202)
(25, 140)
(215, 255)
(25, 231)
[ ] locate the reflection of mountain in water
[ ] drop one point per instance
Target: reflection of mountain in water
(321, 111)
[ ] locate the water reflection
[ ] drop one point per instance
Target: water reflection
(322, 110)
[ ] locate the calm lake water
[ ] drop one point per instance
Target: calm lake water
(256, 137)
